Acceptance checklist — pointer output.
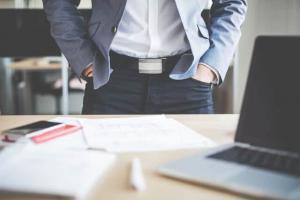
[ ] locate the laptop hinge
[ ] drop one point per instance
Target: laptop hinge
(268, 150)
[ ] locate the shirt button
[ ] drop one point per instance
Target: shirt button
(114, 29)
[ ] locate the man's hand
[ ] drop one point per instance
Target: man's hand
(204, 74)
(88, 72)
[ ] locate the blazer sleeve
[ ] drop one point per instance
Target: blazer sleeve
(227, 17)
(69, 29)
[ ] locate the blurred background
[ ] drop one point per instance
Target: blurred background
(35, 79)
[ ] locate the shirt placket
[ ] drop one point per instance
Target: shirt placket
(153, 7)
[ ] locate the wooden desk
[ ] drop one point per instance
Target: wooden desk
(115, 185)
(35, 64)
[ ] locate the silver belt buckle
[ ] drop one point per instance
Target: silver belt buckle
(151, 66)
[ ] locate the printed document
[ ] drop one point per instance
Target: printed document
(139, 134)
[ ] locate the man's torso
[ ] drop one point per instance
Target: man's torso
(150, 29)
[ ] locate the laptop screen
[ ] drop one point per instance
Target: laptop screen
(270, 115)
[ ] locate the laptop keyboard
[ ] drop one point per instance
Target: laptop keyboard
(261, 159)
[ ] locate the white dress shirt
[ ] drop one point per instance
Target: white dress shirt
(150, 29)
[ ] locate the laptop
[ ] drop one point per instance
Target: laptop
(264, 160)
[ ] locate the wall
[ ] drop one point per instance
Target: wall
(6, 3)
(265, 17)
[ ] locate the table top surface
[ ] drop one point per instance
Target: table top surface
(35, 64)
(115, 185)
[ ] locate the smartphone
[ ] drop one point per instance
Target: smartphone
(14, 133)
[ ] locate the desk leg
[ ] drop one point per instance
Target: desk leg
(6, 87)
(25, 94)
(65, 86)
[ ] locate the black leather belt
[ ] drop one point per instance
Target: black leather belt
(143, 66)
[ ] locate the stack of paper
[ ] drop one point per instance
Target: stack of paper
(67, 173)
(155, 133)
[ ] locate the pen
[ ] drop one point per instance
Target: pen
(137, 180)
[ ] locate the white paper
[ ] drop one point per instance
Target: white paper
(4, 144)
(156, 133)
(70, 173)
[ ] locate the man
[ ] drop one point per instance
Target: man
(148, 56)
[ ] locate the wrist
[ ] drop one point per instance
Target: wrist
(204, 74)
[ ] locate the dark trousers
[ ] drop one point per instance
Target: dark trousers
(129, 92)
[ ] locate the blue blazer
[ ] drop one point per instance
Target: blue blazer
(83, 43)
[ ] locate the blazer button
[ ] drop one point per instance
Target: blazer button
(114, 29)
